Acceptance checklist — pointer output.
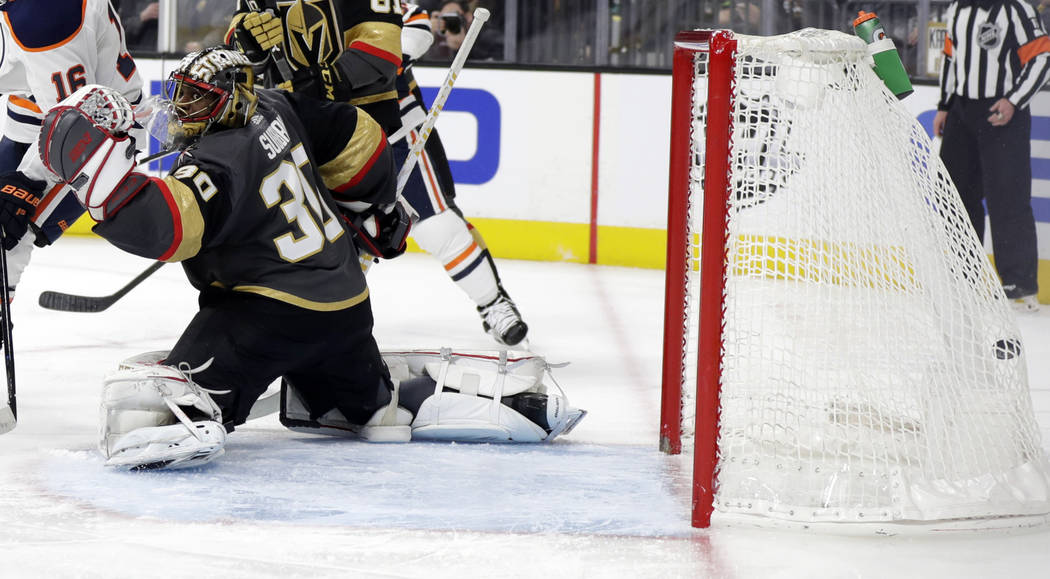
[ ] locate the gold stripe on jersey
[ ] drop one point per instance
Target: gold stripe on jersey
(344, 168)
(383, 39)
(374, 98)
(300, 302)
(187, 242)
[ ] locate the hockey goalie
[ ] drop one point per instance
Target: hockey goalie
(255, 209)
(155, 416)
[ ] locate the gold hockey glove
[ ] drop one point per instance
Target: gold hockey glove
(257, 32)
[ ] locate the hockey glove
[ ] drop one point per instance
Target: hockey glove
(257, 33)
(381, 232)
(19, 196)
(86, 146)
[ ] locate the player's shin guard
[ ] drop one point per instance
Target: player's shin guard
(449, 238)
(446, 237)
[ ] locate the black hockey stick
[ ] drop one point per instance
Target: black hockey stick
(90, 304)
(8, 413)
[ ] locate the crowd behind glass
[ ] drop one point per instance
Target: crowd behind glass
(618, 33)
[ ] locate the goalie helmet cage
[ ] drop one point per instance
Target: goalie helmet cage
(843, 344)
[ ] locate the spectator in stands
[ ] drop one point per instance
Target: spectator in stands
(203, 23)
(1044, 13)
(450, 23)
(741, 16)
(139, 18)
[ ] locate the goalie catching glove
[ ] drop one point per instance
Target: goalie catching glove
(381, 231)
(84, 141)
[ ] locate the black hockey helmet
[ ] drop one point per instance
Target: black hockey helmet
(212, 87)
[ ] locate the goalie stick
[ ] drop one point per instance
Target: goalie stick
(9, 412)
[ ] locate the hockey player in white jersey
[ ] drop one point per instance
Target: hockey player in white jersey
(48, 50)
(442, 230)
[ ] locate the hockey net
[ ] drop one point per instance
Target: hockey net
(829, 305)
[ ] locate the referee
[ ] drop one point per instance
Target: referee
(996, 58)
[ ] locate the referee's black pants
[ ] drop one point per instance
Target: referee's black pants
(993, 165)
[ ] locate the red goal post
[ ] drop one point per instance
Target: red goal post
(836, 343)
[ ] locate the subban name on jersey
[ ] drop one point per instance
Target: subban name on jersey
(275, 138)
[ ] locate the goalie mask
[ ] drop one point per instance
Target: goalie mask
(211, 88)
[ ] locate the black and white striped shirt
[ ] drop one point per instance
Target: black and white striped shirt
(994, 49)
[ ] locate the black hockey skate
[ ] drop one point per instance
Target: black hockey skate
(501, 319)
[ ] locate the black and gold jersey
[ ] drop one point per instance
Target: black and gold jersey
(250, 209)
(343, 50)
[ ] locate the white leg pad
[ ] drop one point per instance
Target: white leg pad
(144, 422)
(170, 447)
(483, 372)
(452, 416)
(482, 378)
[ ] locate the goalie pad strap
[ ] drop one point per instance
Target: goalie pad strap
(483, 372)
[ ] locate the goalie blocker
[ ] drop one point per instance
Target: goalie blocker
(154, 416)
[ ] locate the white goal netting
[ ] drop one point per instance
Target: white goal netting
(871, 368)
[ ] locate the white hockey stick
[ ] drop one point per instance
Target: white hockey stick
(481, 15)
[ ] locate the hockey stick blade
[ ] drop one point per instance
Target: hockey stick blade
(64, 302)
(73, 303)
(7, 420)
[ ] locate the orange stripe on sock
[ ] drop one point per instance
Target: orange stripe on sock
(461, 257)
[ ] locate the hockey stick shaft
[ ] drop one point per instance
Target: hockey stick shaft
(283, 69)
(8, 413)
(89, 304)
(481, 15)
(64, 302)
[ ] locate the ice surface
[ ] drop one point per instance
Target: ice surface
(600, 502)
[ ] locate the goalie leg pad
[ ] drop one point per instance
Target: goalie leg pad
(525, 417)
(485, 372)
(483, 396)
(169, 447)
(155, 416)
(451, 416)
